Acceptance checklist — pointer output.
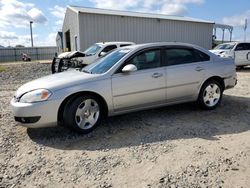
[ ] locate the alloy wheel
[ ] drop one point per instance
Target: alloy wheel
(212, 95)
(87, 114)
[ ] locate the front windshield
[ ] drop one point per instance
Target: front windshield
(102, 65)
(225, 46)
(92, 50)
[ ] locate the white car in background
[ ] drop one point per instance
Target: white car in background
(77, 59)
(239, 51)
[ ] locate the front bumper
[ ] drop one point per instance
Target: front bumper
(36, 115)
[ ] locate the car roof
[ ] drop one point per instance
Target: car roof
(229, 43)
(170, 44)
(163, 44)
(236, 42)
(114, 43)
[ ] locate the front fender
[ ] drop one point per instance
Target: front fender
(100, 87)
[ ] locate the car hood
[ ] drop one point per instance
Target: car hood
(57, 81)
(219, 51)
(81, 56)
(70, 55)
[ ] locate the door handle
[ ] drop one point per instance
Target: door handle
(199, 69)
(157, 75)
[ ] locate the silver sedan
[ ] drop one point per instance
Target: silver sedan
(127, 79)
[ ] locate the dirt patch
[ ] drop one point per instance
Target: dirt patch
(2, 68)
(176, 146)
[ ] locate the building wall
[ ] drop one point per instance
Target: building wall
(98, 28)
(70, 23)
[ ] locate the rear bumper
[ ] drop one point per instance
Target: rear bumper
(36, 115)
(230, 82)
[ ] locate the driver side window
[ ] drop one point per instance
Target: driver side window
(109, 48)
(147, 60)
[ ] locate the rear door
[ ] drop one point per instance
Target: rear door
(185, 72)
(142, 88)
(242, 54)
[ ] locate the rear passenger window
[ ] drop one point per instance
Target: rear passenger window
(247, 46)
(180, 56)
(109, 48)
(122, 45)
(202, 56)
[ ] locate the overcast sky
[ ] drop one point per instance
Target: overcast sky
(48, 15)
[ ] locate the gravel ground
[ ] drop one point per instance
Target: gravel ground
(176, 146)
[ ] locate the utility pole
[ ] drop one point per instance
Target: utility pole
(245, 30)
(31, 34)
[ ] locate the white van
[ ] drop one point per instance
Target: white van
(239, 51)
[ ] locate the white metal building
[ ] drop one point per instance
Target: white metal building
(84, 26)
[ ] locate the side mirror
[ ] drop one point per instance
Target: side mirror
(129, 68)
(102, 54)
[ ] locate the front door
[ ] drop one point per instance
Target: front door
(142, 88)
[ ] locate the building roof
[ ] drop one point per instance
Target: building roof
(135, 14)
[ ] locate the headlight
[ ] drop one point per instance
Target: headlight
(35, 96)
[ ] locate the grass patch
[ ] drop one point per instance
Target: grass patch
(2, 68)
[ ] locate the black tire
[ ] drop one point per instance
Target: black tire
(53, 66)
(240, 67)
(205, 103)
(53, 69)
(70, 117)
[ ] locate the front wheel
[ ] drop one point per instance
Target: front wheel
(210, 95)
(83, 114)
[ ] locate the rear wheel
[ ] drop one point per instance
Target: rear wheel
(210, 95)
(83, 114)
